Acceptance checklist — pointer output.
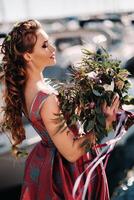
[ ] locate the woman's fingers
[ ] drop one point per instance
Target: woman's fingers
(113, 109)
(115, 103)
(117, 107)
(104, 106)
(115, 98)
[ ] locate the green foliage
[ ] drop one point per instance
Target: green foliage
(93, 81)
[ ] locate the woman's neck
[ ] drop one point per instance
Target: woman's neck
(36, 77)
(32, 81)
(34, 74)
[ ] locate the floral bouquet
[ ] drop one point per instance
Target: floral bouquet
(94, 80)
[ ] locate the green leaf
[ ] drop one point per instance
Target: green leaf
(87, 145)
(75, 118)
(85, 142)
(95, 92)
(61, 127)
(100, 118)
(88, 125)
(98, 110)
(101, 132)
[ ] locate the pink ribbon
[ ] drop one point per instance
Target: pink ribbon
(103, 154)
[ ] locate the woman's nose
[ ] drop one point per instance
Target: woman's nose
(52, 47)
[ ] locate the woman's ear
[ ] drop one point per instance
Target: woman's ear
(27, 56)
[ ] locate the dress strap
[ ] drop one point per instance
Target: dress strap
(37, 104)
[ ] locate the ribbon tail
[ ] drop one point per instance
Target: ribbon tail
(89, 176)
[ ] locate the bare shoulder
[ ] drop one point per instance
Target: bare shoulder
(50, 106)
(29, 98)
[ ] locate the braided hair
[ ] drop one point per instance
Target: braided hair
(21, 39)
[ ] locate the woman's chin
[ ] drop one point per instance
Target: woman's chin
(53, 62)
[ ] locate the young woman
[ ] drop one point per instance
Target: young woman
(54, 164)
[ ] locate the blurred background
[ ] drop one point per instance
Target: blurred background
(72, 25)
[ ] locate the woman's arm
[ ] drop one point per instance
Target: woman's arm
(71, 149)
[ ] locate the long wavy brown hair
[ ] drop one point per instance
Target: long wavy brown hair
(21, 39)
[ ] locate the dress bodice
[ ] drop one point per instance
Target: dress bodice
(35, 118)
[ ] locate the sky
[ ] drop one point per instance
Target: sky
(13, 10)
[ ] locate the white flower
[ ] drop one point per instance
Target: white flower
(91, 74)
(109, 87)
(80, 127)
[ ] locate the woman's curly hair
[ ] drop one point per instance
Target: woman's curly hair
(21, 39)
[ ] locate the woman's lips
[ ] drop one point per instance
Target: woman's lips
(52, 56)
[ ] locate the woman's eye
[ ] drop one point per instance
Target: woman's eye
(45, 45)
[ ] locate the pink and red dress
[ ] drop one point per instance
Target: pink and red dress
(49, 176)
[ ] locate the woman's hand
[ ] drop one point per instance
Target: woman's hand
(111, 111)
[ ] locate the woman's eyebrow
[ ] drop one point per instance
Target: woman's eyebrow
(45, 41)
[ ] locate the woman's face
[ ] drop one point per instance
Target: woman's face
(44, 52)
